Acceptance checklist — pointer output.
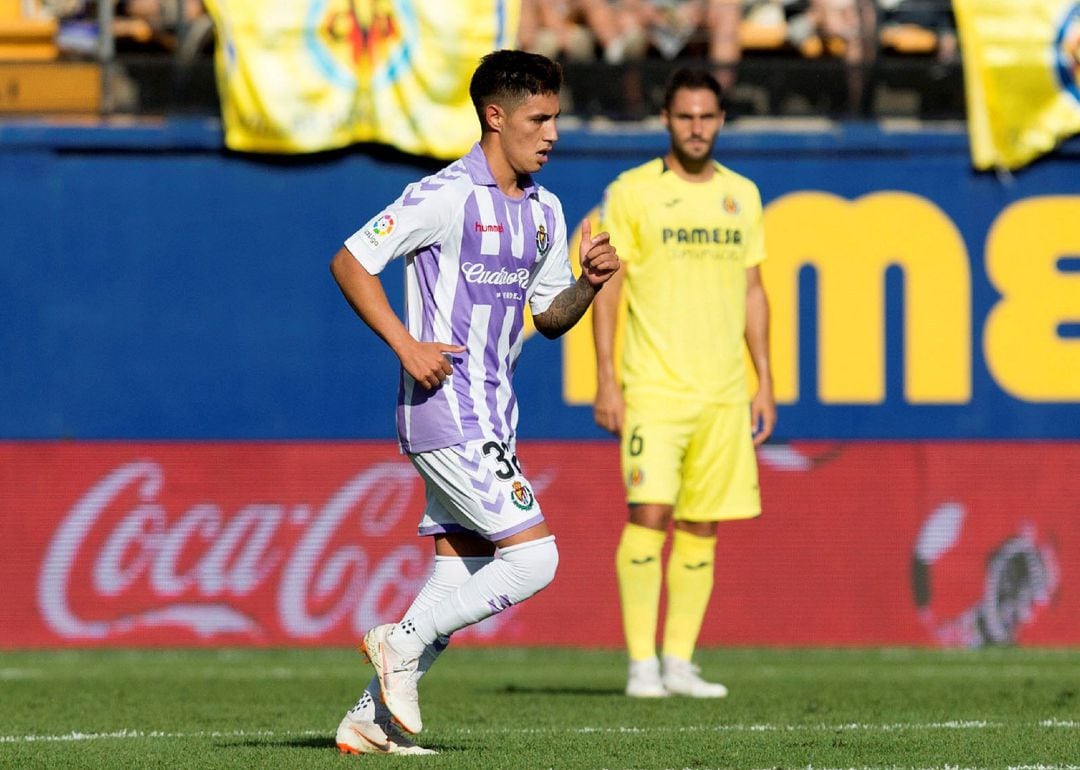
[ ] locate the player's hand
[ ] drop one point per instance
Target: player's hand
(429, 362)
(598, 258)
(609, 408)
(762, 415)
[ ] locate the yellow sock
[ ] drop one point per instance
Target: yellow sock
(689, 586)
(637, 566)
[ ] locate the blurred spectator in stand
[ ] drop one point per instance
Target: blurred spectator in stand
(584, 31)
(139, 25)
(177, 27)
(702, 28)
(77, 34)
(580, 31)
(163, 19)
(670, 26)
(921, 26)
(843, 28)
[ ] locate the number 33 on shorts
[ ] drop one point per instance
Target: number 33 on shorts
(476, 487)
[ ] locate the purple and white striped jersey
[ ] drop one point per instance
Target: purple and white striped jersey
(473, 257)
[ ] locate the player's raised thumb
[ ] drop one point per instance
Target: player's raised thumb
(586, 235)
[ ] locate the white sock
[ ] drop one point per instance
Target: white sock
(449, 573)
(518, 573)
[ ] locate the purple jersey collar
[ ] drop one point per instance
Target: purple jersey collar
(480, 172)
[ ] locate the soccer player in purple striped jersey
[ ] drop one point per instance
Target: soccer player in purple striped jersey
(480, 241)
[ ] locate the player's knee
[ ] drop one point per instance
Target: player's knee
(533, 564)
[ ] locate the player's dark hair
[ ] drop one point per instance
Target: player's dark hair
(507, 77)
(692, 78)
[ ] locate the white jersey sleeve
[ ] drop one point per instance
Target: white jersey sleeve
(552, 273)
(410, 223)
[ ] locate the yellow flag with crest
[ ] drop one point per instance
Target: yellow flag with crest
(300, 76)
(1021, 75)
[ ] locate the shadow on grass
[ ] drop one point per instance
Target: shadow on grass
(305, 742)
(516, 689)
(322, 743)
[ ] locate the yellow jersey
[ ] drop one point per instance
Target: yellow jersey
(685, 247)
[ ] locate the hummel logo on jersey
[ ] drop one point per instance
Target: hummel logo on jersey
(699, 565)
(673, 202)
(480, 227)
(646, 560)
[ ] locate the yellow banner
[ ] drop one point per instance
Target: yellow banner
(308, 75)
(1022, 77)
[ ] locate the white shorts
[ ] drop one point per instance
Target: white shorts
(476, 487)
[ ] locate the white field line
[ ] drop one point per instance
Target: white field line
(940, 767)
(211, 673)
(142, 734)
(14, 674)
(619, 730)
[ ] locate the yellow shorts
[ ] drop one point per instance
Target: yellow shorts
(698, 457)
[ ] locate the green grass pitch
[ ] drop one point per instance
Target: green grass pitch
(547, 708)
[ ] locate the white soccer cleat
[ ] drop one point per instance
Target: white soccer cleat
(397, 677)
(681, 677)
(358, 737)
(644, 680)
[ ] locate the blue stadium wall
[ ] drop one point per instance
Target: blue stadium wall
(154, 286)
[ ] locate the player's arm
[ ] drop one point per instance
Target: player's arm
(609, 405)
(598, 263)
(763, 405)
(424, 361)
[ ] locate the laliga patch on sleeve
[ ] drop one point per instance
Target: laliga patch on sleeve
(378, 229)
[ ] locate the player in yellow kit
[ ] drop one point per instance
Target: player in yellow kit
(689, 233)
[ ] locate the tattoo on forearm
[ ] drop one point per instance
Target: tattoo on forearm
(565, 310)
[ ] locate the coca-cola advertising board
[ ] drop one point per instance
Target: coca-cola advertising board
(297, 543)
